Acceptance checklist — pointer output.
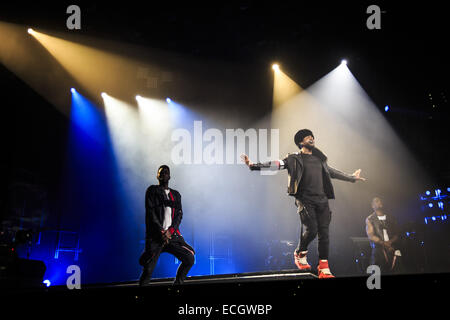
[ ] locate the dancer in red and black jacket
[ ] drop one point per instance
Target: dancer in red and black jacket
(310, 183)
(163, 214)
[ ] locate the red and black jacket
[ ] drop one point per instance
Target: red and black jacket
(155, 203)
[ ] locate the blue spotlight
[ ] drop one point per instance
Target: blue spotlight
(168, 100)
(433, 218)
(448, 189)
(427, 193)
(386, 108)
(47, 283)
(73, 90)
(430, 205)
(426, 220)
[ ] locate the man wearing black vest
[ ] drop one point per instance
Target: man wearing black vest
(310, 183)
(163, 214)
(383, 233)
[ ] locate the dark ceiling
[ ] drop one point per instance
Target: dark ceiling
(409, 51)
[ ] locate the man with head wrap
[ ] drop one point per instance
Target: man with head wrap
(309, 181)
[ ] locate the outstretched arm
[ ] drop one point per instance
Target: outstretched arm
(337, 174)
(269, 165)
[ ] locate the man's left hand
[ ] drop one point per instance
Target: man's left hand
(357, 175)
(166, 236)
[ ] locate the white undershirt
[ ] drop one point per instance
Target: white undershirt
(167, 213)
(385, 234)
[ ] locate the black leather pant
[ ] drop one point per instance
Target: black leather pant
(315, 218)
(176, 246)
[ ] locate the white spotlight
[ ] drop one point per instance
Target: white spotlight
(276, 67)
(30, 31)
(168, 100)
(104, 95)
(138, 97)
(344, 62)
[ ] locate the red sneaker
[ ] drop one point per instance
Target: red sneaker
(324, 270)
(298, 259)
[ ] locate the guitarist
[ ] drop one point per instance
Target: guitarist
(382, 231)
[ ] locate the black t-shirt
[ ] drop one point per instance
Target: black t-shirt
(311, 185)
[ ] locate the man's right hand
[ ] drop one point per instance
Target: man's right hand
(388, 246)
(245, 159)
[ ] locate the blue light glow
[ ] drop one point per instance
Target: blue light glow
(428, 193)
(386, 108)
(47, 283)
(430, 205)
(168, 100)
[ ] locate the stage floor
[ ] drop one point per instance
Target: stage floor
(279, 275)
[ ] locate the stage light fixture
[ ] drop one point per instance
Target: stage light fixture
(30, 31)
(138, 97)
(386, 108)
(104, 95)
(276, 67)
(73, 90)
(168, 100)
(47, 283)
(344, 62)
